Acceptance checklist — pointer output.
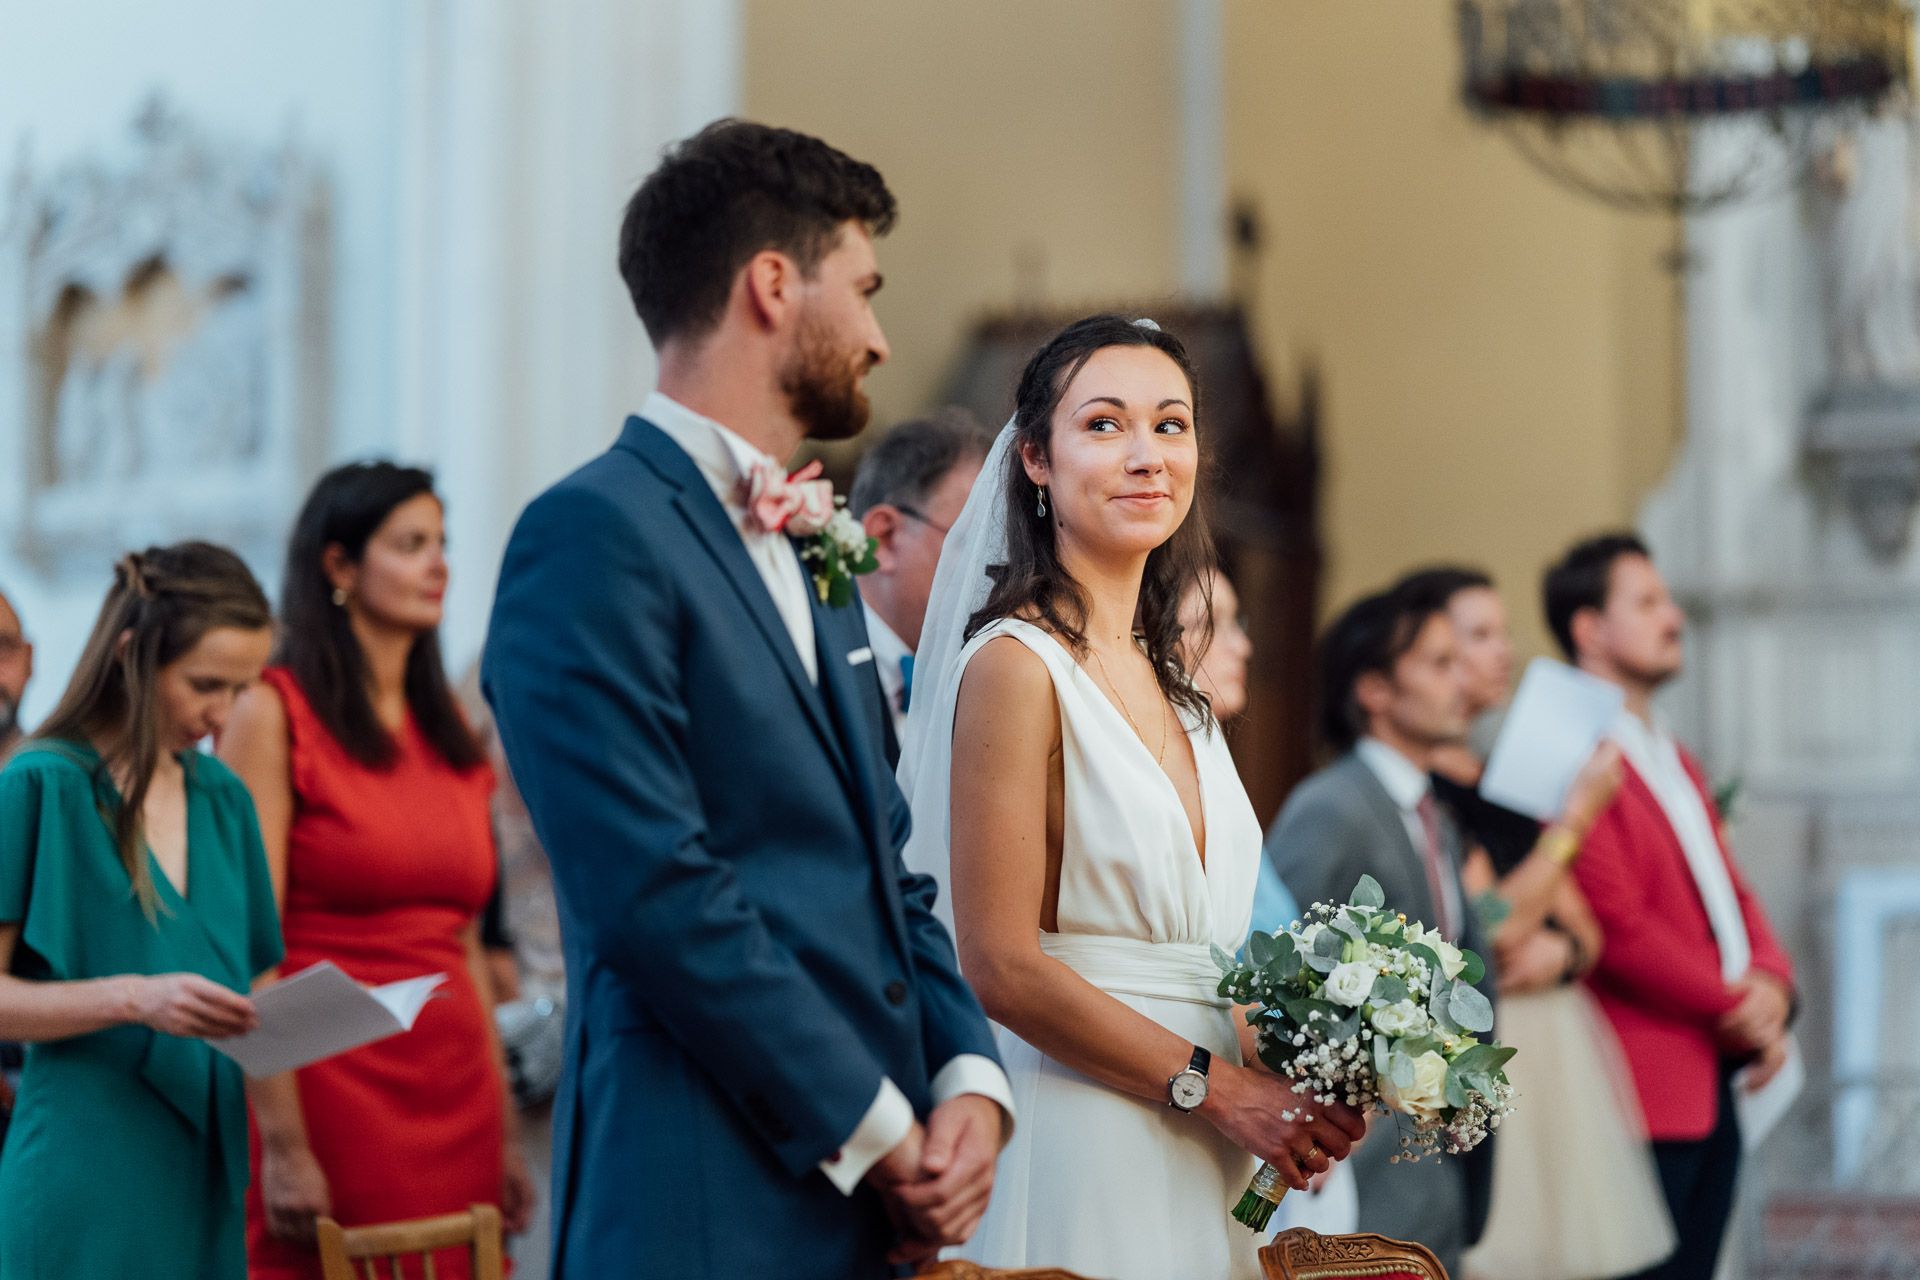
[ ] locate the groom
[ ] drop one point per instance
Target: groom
(773, 1066)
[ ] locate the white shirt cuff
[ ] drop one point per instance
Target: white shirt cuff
(885, 1126)
(976, 1073)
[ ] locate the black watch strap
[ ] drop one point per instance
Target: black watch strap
(1202, 1060)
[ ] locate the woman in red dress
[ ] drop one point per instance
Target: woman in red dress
(373, 799)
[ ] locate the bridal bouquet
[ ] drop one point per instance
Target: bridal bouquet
(1361, 1006)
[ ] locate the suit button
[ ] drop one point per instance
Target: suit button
(896, 993)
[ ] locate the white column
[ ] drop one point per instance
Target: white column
(529, 125)
(1202, 188)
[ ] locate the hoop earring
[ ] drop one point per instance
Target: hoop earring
(340, 597)
(1040, 505)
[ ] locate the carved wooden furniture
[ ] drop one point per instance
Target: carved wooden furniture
(954, 1269)
(1300, 1254)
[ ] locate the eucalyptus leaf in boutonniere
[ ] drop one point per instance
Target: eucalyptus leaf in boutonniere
(836, 553)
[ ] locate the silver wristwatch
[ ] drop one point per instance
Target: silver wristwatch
(1187, 1088)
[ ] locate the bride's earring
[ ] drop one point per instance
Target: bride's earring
(1040, 505)
(340, 597)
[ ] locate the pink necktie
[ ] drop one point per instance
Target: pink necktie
(1429, 811)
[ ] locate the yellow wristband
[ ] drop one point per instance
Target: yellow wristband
(1559, 844)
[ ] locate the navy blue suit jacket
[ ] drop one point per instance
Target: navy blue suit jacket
(747, 956)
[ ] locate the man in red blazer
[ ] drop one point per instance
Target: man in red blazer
(1690, 973)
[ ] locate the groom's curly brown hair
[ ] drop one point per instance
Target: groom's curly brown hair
(725, 194)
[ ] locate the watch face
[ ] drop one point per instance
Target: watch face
(1189, 1089)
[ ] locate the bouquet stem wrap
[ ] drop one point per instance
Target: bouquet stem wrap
(1262, 1197)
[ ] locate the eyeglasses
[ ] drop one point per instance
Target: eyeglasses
(922, 517)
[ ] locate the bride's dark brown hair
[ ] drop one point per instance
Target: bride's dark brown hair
(1033, 584)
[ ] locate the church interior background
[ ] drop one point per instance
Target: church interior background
(241, 242)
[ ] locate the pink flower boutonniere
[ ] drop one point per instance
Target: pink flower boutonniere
(833, 544)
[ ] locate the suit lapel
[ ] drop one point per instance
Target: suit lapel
(696, 503)
(850, 704)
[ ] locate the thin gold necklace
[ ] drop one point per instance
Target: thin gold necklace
(1160, 756)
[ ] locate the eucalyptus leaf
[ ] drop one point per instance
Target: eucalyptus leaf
(1470, 1009)
(1475, 969)
(1322, 963)
(1400, 1069)
(1328, 943)
(1224, 962)
(1368, 893)
(1456, 1089)
(1389, 989)
(1260, 949)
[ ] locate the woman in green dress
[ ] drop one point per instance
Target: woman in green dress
(135, 910)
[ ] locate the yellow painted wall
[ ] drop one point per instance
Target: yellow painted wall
(1496, 351)
(1030, 144)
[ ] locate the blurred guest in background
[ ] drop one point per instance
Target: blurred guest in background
(1391, 695)
(373, 796)
(1689, 974)
(1552, 1218)
(16, 668)
(1330, 1206)
(135, 910)
(531, 1012)
(907, 493)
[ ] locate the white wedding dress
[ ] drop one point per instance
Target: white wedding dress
(1094, 1180)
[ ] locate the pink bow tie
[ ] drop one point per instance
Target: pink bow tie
(798, 505)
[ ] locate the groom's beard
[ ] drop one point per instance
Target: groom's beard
(822, 387)
(9, 716)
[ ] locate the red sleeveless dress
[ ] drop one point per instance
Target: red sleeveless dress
(385, 869)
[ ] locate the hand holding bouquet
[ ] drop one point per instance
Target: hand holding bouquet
(1361, 1006)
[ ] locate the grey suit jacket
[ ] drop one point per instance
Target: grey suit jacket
(1337, 826)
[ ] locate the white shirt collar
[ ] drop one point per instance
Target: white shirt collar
(1406, 782)
(722, 455)
(888, 647)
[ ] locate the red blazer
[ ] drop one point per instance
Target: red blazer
(1658, 978)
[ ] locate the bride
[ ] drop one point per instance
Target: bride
(1073, 795)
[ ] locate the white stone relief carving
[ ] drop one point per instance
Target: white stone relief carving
(163, 354)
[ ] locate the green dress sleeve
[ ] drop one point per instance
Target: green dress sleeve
(47, 813)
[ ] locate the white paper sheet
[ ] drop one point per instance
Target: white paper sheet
(319, 1012)
(1761, 1110)
(1557, 718)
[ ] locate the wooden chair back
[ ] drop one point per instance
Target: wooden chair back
(355, 1253)
(1300, 1254)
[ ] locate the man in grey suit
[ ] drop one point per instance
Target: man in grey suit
(1391, 692)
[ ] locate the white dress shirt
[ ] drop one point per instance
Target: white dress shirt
(888, 652)
(1407, 785)
(1653, 755)
(723, 458)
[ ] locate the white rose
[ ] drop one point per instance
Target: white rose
(1416, 932)
(1350, 984)
(1402, 1018)
(1451, 961)
(1425, 1097)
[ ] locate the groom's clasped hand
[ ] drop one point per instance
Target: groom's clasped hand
(937, 1181)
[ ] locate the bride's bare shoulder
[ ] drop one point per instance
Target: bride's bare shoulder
(1005, 676)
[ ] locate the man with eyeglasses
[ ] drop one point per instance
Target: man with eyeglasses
(16, 668)
(908, 492)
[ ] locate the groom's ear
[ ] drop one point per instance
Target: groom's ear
(770, 282)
